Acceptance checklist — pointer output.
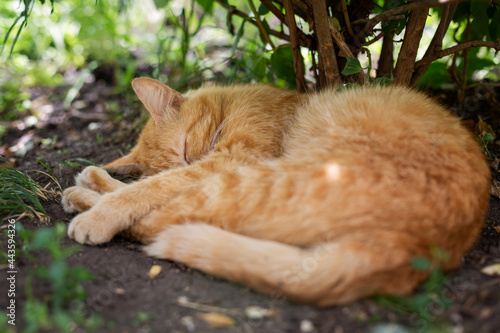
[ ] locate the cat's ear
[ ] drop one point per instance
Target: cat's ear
(126, 165)
(158, 99)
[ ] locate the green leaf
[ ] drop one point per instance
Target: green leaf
(207, 5)
(461, 12)
(263, 10)
(421, 263)
(495, 26)
(397, 25)
(436, 75)
(352, 66)
(161, 3)
(257, 65)
(42, 239)
(240, 33)
(382, 81)
(488, 137)
(480, 23)
(282, 65)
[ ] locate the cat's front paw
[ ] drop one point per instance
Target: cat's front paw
(79, 199)
(88, 228)
(98, 180)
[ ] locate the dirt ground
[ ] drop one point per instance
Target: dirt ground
(100, 126)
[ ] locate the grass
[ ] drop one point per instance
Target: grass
(422, 309)
(21, 196)
(61, 308)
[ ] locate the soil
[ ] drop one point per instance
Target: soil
(100, 126)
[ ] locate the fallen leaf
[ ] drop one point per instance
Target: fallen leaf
(497, 229)
(154, 271)
(495, 188)
(217, 319)
(491, 270)
(483, 127)
(119, 291)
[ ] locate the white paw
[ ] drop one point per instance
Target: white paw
(96, 179)
(66, 200)
(88, 228)
(79, 199)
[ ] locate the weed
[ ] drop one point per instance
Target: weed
(422, 307)
(20, 195)
(62, 309)
(69, 164)
(486, 138)
(99, 138)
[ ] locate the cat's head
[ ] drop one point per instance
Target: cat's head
(180, 131)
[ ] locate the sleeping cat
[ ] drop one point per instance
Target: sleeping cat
(321, 198)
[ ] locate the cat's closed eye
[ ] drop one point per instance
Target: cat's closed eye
(185, 155)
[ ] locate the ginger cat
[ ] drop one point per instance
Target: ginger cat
(322, 198)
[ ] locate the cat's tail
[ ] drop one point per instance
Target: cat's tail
(336, 272)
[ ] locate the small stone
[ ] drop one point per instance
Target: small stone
(306, 326)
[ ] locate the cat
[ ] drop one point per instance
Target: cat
(318, 198)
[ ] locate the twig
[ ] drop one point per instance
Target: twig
(269, 5)
(454, 49)
(397, 17)
(303, 39)
(463, 83)
(346, 18)
(232, 10)
(344, 49)
(398, 10)
(184, 302)
(261, 25)
(298, 61)
(370, 42)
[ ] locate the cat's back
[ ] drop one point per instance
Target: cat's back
(389, 120)
(396, 155)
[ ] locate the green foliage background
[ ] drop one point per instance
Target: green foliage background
(186, 42)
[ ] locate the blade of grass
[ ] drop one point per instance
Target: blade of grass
(20, 195)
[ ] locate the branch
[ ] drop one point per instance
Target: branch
(413, 34)
(398, 10)
(298, 61)
(386, 61)
(232, 10)
(269, 5)
(456, 48)
(436, 44)
(373, 40)
(304, 40)
(326, 52)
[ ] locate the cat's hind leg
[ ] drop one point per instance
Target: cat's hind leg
(335, 272)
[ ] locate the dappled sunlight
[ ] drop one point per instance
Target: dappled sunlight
(333, 172)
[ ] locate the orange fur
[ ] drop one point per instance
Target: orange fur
(320, 198)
